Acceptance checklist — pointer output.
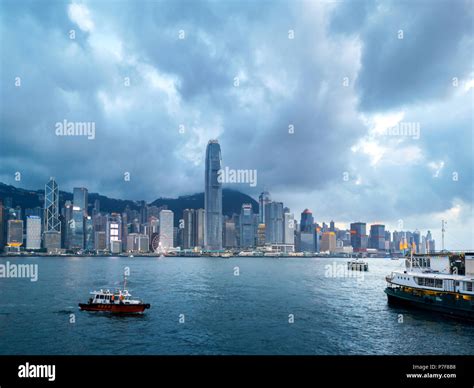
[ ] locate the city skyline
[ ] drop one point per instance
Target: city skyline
(296, 101)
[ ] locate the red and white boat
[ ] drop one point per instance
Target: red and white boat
(118, 301)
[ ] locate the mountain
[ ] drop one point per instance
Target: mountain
(232, 201)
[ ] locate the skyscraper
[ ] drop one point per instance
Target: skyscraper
(33, 232)
(247, 229)
(263, 200)
(307, 221)
(213, 197)
(377, 237)
(328, 242)
(289, 228)
(77, 229)
(358, 236)
(199, 225)
(80, 199)
(51, 207)
(166, 218)
(274, 223)
(2, 226)
(188, 235)
(15, 233)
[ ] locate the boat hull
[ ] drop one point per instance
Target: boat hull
(115, 308)
(446, 304)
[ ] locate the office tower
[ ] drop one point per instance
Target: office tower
(332, 227)
(100, 241)
(416, 240)
(114, 231)
(76, 228)
(116, 247)
(246, 225)
(166, 218)
(230, 240)
(199, 226)
(88, 234)
(189, 216)
(51, 207)
(80, 199)
(377, 237)
(307, 241)
(261, 235)
(430, 243)
(33, 232)
(143, 211)
(289, 228)
(307, 221)
(139, 243)
(274, 223)
(328, 242)
(15, 233)
(359, 236)
(213, 197)
(263, 200)
(96, 210)
(2, 226)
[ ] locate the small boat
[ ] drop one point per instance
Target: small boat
(357, 265)
(120, 301)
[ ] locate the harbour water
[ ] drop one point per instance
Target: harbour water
(216, 306)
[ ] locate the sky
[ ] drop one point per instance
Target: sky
(358, 110)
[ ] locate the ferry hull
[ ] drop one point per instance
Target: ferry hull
(115, 308)
(447, 304)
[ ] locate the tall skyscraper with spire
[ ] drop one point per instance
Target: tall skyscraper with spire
(51, 207)
(213, 197)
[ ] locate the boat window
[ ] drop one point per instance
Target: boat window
(428, 282)
(469, 286)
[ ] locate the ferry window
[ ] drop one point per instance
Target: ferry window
(469, 286)
(438, 283)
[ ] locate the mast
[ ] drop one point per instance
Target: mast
(443, 223)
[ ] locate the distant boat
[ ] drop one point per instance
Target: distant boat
(357, 265)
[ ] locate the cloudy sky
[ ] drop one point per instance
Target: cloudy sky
(358, 110)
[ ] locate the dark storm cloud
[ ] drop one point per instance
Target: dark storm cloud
(436, 46)
(282, 82)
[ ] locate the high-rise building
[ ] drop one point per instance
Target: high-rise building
(377, 237)
(80, 199)
(88, 234)
(166, 218)
(199, 225)
(332, 226)
(263, 200)
(2, 226)
(247, 228)
(100, 241)
(261, 235)
(114, 231)
(328, 242)
(189, 216)
(33, 232)
(416, 240)
(274, 223)
(307, 221)
(15, 233)
(230, 240)
(51, 207)
(76, 228)
(213, 197)
(359, 236)
(288, 228)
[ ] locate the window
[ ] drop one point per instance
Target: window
(469, 286)
(429, 282)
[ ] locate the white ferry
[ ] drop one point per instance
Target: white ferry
(441, 282)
